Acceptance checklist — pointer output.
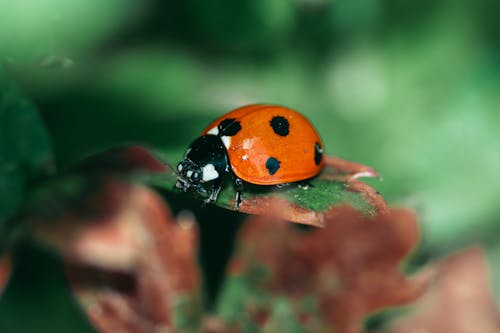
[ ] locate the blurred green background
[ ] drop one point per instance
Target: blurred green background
(409, 87)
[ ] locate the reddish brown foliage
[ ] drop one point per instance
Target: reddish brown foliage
(122, 160)
(351, 266)
(135, 159)
(5, 270)
(459, 301)
(289, 211)
(133, 267)
(336, 170)
(370, 195)
(130, 267)
(284, 208)
(340, 169)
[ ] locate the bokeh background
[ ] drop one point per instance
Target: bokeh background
(411, 88)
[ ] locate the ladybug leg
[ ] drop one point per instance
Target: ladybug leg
(213, 194)
(304, 185)
(237, 200)
(239, 188)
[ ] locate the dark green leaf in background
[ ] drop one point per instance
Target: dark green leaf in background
(37, 297)
(25, 151)
(244, 24)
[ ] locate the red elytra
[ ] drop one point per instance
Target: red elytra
(298, 148)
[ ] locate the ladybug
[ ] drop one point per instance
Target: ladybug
(260, 144)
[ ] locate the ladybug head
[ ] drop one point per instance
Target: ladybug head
(189, 174)
(204, 166)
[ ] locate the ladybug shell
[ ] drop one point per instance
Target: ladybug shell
(269, 144)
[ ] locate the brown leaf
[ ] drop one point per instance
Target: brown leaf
(335, 187)
(339, 169)
(287, 210)
(132, 267)
(122, 160)
(351, 268)
(5, 271)
(459, 301)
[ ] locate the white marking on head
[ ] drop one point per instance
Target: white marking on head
(189, 173)
(209, 173)
(226, 140)
(179, 167)
(214, 131)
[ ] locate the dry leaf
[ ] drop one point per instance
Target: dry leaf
(459, 301)
(324, 279)
(5, 271)
(133, 267)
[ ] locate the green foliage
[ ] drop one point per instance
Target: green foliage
(38, 295)
(25, 150)
(320, 195)
(187, 314)
(50, 33)
(241, 297)
(245, 24)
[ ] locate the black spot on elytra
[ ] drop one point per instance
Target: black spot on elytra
(280, 125)
(229, 127)
(318, 153)
(272, 165)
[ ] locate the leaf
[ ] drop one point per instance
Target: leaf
(121, 160)
(38, 290)
(335, 187)
(325, 279)
(85, 190)
(5, 270)
(132, 266)
(460, 299)
(25, 152)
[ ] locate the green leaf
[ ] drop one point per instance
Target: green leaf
(187, 311)
(318, 196)
(335, 187)
(244, 304)
(45, 300)
(25, 151)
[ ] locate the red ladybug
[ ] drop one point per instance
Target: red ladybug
(259, 144)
